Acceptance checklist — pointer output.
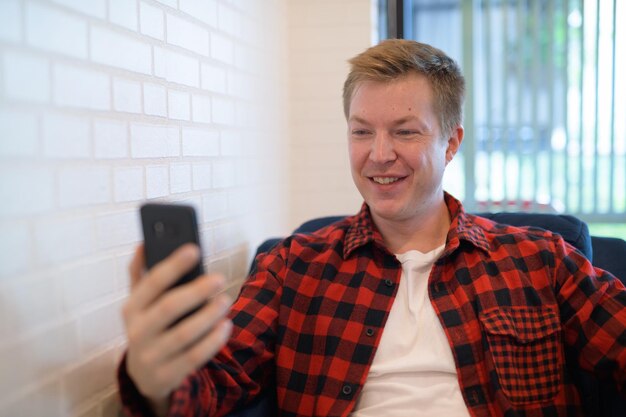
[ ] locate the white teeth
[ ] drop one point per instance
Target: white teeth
(385, 180)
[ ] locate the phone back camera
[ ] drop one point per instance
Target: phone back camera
(159, 229)
(164, 230)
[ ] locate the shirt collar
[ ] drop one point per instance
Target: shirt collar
(362, 229)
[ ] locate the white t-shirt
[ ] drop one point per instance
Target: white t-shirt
(413, 372)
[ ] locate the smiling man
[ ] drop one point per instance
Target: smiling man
(412, 307)
(398, 153)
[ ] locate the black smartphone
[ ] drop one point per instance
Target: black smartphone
(167, 227)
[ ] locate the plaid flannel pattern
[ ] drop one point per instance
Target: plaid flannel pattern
(511, 302)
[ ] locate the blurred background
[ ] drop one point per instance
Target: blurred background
(234, 107)
(546, 109)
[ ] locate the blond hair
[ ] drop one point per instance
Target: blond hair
(395, 58)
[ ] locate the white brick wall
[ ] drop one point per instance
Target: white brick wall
(201, 106)
(154, 99)
(154, 141)
(151, 21)
(84, 283)
(26, 77)
(323, 35)
(126, 95)
(201, 176)
(65, 136)
(110, 138)
(115, 228)
(178, 105)
(124, 13)
(213, 78)
(181, 32)
(223, 111)
(11, 28)
(82, 185)
(180, 178)
(107, 103)
(69, 88)
(222, 48)
(205, 11)
(15, 248)
(95, 8)
(31, 190)
(176, 67)
(157, 181)
(23, 128)
(59, 239)
(54, 30)
(128, 183)
(113, 48)
(200, 142)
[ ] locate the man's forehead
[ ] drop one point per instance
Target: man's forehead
(397, 87)
(403, 98)
(408, 77)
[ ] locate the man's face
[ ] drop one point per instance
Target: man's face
(397, 152)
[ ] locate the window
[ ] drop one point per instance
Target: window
(545, 127)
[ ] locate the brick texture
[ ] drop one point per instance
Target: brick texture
(105, 104)
(323, 35)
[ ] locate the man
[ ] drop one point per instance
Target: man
(411, 307)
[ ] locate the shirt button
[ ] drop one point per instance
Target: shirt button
(346, 389)
(369, 331)
(389, 282)
(439, 288)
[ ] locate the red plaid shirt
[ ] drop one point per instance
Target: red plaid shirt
(511, 302)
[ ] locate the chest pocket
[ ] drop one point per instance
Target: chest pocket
(524, 344)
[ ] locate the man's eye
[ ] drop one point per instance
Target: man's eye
(405, 132)
(359, 132)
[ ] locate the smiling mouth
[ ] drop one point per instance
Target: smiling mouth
(385, 180)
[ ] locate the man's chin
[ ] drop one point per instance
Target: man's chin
(386, 211)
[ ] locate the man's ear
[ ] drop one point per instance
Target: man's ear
(454, 142)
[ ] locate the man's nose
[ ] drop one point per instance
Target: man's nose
(382, 149)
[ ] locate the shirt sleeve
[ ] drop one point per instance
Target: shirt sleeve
(593, 313)
(132, 400)
(243, 368)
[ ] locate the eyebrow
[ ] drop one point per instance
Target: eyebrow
(395, 123)
(357, 119)
(407, 119)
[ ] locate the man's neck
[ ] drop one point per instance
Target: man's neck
(423, 232)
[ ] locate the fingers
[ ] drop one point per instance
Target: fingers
(178, 301)
(160, 357)
(199, 353)
(162, 276)
(190, 330)
(136, 267)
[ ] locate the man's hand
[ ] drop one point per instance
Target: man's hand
(160, 357)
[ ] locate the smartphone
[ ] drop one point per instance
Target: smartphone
(165, 228)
